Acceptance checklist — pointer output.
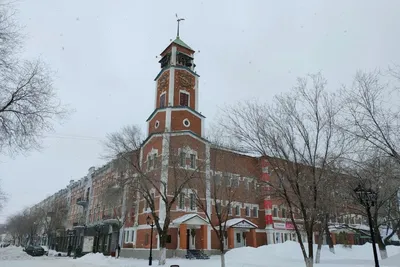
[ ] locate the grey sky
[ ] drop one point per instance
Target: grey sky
(104, 53)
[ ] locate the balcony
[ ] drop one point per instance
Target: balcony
(82, 202)
(79, 223)
(107, 219)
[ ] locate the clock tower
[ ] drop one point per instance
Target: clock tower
(176, 92)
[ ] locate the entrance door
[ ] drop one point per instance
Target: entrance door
(188, 239)
(191, 238)
(239, 240)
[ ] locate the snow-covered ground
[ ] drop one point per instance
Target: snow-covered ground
(280, 255)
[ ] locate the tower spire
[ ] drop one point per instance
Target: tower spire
(178, 20)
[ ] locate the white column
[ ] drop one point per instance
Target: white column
(208, 192)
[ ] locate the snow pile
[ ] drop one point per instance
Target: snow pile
(53, 253)
(13, 253)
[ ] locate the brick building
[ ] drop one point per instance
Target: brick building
(176, 131)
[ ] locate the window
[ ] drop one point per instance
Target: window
(192, 201)
(154, 160)
(169, 239)
(217, 179)
(126, 236)
(150, 163)
(146, 239)
(183, 159)
(132, 235)
(192, 161)
(181, 201)
(162, 100)
(184, 99)
(229, 209)
(247, 184)
(255, 212)
(218, 207)
(235, 182)
(238, 238)
(283, 213)
(247, 212)
(237, 211)
(227, 180)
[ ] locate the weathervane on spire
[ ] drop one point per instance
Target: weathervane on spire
(178, 20)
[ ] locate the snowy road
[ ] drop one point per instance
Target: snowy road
(280, 255)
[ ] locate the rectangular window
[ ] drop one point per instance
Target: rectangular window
(238, 238)
(192, 201)
(192, 161)
(275, 212)
(162, 100)
(127, 237)
(181, 201)
(132, 235)
(218, 207)
(247, 184)
(154, 160)
(183, 159)
(235, 182)
(237, 211)
(184, 99)
(228, 181)
(247, 212)
(255, 212)
(150, 162)
(217, 179)
(283, 213)
(229, 209)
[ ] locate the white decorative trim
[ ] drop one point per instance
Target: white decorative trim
(178, 109)
(203, 132)
(164, 173)
(168, 119)
(196, 93)
(171, 88)
(186, 123)
(156, 125)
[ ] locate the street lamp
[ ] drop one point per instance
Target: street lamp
(150, 222)
(368, 198)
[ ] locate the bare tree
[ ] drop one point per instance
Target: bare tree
(3, 198)
(224, 190)
(371, 113)
(379, 172)
(119, 193)
(126, 145)
(298, 138)
(28, 103)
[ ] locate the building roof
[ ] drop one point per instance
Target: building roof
(240, 223)
(191, 218)
(178, 41)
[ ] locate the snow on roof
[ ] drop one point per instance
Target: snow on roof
(237, 221)
(186, 218)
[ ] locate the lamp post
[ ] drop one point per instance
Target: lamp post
(150, 222)
(368, 199)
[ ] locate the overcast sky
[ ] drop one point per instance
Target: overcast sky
(104, 55)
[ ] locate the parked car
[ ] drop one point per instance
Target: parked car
(34, 250)
(46, 250)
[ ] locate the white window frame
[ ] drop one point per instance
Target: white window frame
(165, 100)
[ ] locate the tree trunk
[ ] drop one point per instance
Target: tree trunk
(163, 256)
(320, 239)
(221, 249)
(163, 250)
(328, 235)
(309, 262)
(381, 244)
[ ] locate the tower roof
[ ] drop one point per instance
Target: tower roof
(178, 41)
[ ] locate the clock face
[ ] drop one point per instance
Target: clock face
(186, 79)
